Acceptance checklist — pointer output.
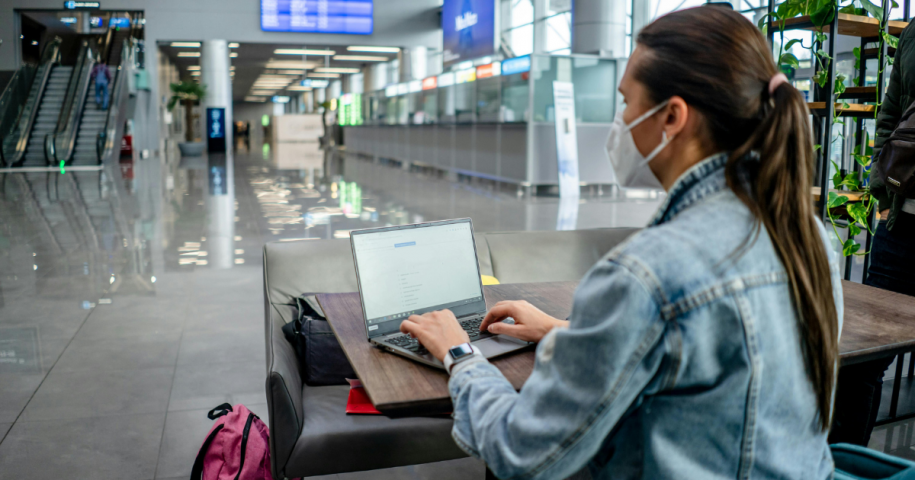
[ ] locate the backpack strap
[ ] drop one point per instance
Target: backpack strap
(197, 471)
(219, 411)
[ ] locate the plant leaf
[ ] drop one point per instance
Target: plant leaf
(790, 60)
(853, 230)
(862, 160)
(792, 43)
(850, 247)
(891, 40)
(873, 10)
(823, 14)
(836, 200)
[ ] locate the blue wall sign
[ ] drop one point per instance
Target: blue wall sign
(468, 29)
(216, 130)
(317, 16)
(516, 65)
(120, 22)
(71, 5)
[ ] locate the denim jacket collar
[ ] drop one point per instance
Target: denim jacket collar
(701, 180)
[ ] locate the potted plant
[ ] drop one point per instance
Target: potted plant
(188, 93)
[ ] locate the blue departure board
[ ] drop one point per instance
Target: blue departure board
(317, 16)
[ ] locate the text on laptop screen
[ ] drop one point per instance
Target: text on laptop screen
(416, 270)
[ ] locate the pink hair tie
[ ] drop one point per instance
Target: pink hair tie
(775, 81)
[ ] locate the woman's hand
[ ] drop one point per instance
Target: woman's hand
(531, 324)
(437, 331)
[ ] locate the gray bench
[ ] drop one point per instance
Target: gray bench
(309, 432)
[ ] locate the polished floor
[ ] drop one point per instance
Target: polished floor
(131, 302)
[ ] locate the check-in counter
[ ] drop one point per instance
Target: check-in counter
(495, 121)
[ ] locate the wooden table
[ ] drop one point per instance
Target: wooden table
(877, 324)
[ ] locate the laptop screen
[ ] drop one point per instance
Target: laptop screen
(414, 269)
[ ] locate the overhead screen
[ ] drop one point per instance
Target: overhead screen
(317, 16)
(469, 29)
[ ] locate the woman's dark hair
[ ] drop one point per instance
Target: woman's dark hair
(720, 64)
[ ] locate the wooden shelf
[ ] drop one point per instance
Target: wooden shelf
(850, 25)
(872, 52)
(867, 93)
(853, 110)
(852, 196)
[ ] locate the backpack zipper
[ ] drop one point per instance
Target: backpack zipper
(244, 443)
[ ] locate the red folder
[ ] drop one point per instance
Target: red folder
(358, 403)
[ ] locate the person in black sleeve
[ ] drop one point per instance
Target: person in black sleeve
(892, 259)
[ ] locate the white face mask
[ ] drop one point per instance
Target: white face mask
(631, 167)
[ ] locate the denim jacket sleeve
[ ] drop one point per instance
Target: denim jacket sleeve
(585, 379)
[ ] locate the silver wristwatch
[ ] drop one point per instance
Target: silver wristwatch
(458, 354)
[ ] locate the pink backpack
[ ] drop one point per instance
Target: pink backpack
(237, 447)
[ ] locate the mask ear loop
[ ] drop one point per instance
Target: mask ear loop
(647, 114)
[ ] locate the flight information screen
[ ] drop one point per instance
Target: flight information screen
(317, 16)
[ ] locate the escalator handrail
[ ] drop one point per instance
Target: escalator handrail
(105, 141)
(59, 144)
(23, 76)
(25, 118)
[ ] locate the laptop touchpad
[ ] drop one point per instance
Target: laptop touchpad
(498, 345)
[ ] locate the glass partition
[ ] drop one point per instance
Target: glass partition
(430, 106)
(489, 99)
(446, 112)
(464, 102)
(515, 90)
(502, 98)
(594, 80)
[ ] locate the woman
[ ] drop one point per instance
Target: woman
(705, 346)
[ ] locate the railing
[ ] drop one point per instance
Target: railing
(59, 144)
(105, 141)
(17, 110)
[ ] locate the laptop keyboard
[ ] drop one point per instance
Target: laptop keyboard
(471, 325)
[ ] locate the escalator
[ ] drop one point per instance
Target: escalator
(48, 113)
(52, 101)
(94, 118)
(20, 101)
(88, 145)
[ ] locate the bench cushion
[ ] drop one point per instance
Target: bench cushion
(333, 442)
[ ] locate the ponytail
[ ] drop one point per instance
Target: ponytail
(723, 68)
(780, 201)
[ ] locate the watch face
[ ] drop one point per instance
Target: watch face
(460, 350)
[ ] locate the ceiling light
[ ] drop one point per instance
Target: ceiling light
(193, 67)
(232, 67)
(324, 75)
(185, 44)
(299, 88)
(360, 58)
(255, 99)
(373, 49)
(300, 51)
(233, 55)
(290, 64)
(195, 74)
(266, 93)
(233, 45)
(289, 72)
(337, 70)
(188, 54)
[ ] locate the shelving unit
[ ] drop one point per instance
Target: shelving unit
(861, 101)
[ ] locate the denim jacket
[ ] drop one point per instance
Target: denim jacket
(680, 361)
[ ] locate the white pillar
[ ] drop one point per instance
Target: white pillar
(540, 27)
(412, 63)
(356, 83)
(641, 16)
(214, 73)
(599, 27)
(335, 89)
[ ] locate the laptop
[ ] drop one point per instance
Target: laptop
(414, 269)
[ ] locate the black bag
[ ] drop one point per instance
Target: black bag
(321, 359)
(896, 164)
